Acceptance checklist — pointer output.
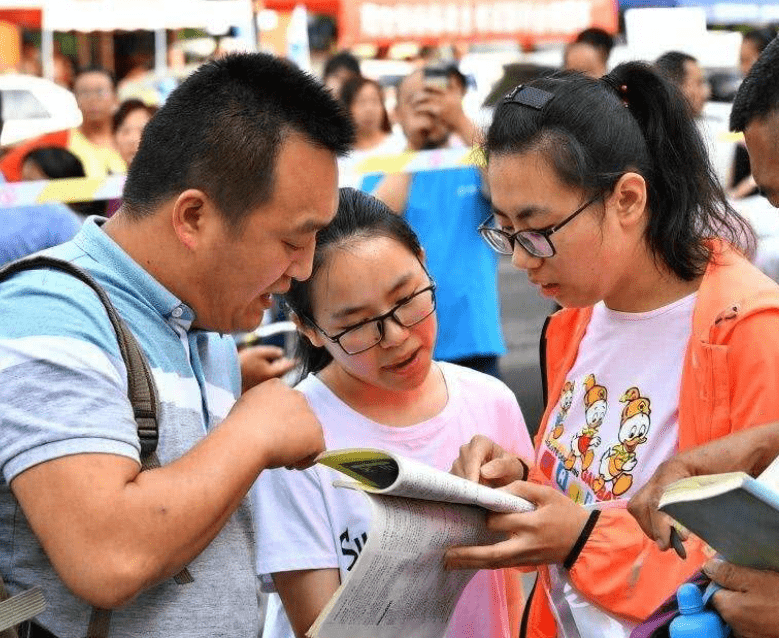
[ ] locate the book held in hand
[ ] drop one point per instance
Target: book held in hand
(735, 514)
(399, 587)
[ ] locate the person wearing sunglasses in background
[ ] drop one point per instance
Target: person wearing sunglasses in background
(603, 194)
(368, 325)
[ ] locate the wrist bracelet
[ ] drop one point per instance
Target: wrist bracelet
(525, 469)
(578, 546)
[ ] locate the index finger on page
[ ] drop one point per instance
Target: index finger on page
(504, 470)
(473, 455)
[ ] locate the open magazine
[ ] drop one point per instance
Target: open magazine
(399, 587)
(734, 513)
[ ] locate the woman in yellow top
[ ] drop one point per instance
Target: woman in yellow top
(93, 142)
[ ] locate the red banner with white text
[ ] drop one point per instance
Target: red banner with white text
(432, 21)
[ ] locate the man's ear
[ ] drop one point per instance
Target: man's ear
(191, 215)
(309, 332)
(629, 199)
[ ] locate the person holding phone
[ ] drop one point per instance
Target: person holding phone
(443, 207)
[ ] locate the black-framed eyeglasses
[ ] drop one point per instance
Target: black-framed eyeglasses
(535, 242)
(368, 333)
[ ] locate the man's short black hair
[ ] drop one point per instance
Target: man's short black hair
(342, 60)
(453, 73)
(599, 39)
(758, 95)
(221, 131)
(672, 63)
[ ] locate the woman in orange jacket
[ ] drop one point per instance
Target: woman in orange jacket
(603, 193)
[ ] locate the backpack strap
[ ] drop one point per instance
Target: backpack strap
(16, 610)
(140, 390)
(140, 385)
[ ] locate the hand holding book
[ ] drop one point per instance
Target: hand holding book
(545, 535)
(750, 451)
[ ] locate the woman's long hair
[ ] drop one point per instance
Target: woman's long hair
(351, 89)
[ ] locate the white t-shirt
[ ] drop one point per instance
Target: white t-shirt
(303, 522)
(616, 420)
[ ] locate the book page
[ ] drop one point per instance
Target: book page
(417, 480)
(703, 486)
(741, 523)
(385, 473)
(399, 587)
(770, 475)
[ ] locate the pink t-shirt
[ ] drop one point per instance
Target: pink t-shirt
(303, 522)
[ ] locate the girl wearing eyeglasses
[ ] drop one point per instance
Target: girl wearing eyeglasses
(603, 194)
(368, 326)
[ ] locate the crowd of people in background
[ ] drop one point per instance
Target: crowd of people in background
(598, 184)
(104, 144)
(106, 140)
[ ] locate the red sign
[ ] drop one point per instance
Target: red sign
(28, 18)
(388, 21)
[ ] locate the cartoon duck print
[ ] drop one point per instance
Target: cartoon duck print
(617, 462)
(566, 400)
(595, 406)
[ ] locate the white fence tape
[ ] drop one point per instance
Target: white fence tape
(351, 169)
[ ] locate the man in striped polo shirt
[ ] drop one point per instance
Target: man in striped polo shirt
(234, 176)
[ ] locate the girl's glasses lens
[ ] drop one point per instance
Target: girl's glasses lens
(497, 241)
(362, 338)
(417, 308)
(535, 243)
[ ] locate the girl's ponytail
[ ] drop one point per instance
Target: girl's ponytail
(685, 196)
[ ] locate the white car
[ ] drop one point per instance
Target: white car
(33, 106)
